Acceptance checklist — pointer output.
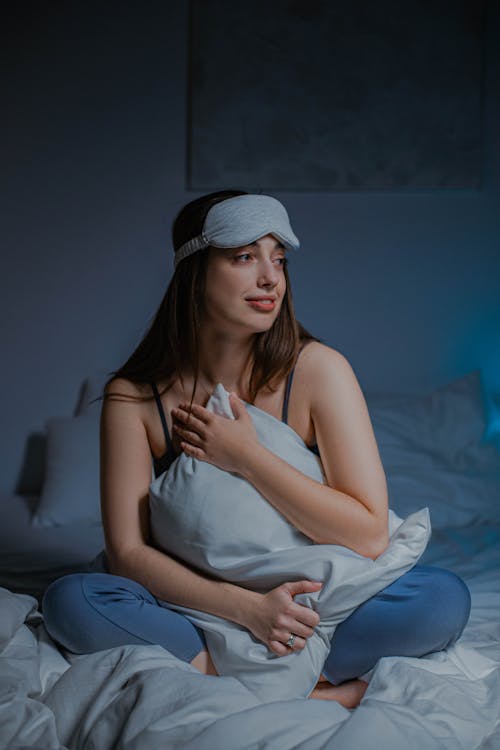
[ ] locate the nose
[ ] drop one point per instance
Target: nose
(269, 274)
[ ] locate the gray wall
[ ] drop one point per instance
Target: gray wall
(93, 146)
(385, 94)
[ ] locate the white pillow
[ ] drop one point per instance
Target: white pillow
(70, 491)
(455, 498)
(442, 428)
(218, 522)
(93, 387)
(434, 452)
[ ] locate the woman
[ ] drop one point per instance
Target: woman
(227, 317)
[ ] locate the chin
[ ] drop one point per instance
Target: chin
(265, 323)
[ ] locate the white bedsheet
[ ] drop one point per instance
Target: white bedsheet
(142, 697)
(31, 557)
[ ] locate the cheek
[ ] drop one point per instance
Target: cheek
(217, 283)
(221, 293)
(282, 287)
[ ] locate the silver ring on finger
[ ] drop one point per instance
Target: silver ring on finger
(291, 640)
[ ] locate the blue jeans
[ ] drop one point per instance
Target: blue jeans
(424, 610)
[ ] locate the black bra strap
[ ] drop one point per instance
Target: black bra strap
(162, 416)
(284, 416)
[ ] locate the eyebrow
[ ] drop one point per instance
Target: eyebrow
(277, 246)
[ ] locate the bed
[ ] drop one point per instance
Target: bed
(440, 450)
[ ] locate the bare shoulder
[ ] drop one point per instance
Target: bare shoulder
(124, 402)
(323, 373)
(123, 414)
(319, 361)
(121, 387)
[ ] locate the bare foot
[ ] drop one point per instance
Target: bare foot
(204, 663)
(348, 694)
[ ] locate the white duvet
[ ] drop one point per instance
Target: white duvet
(218, 522)
(144, 698)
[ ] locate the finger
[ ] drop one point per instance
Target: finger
(190, 450)
(300, 636)
(183, 416)
(304, 615)
(237, 406)
(199, 412)
(299, 628)
(302, 587)
(278, 648)
(181, 413)
(188, 435)
(298, 643)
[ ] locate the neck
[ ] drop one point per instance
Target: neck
(227, 361)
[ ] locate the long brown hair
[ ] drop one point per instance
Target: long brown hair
(171, 344)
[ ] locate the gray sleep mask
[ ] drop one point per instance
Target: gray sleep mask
(238, 221)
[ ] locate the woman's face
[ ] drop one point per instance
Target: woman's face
(237, 276)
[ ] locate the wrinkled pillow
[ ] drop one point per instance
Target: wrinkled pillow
(219, 522)
(435, 452)
(455, 498)
(93, 387)
(70, 491)
(444, 428)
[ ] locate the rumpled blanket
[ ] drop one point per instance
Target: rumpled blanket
(219, 523)
(144, 698)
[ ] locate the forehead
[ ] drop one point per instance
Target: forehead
(267, 240)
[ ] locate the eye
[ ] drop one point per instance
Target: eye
(243, 256)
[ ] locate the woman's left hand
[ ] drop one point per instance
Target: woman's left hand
(214, 438)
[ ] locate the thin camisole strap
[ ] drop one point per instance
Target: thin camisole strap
(284, 416)
(162, 416)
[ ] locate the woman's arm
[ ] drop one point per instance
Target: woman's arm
(351, 509)
(125, 465)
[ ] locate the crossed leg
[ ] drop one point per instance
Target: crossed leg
(424, 610)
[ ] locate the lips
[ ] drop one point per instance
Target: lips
(260, 299)
(262, 303)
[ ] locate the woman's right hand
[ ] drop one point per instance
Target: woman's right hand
(275, 616)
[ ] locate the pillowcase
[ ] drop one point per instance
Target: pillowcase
(434, 451)
(455, 498)
(93, 388)
(70, 492)
(444, 428)
(219, 523)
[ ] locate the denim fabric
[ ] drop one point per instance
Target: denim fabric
(87, 612)
(424, 610)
